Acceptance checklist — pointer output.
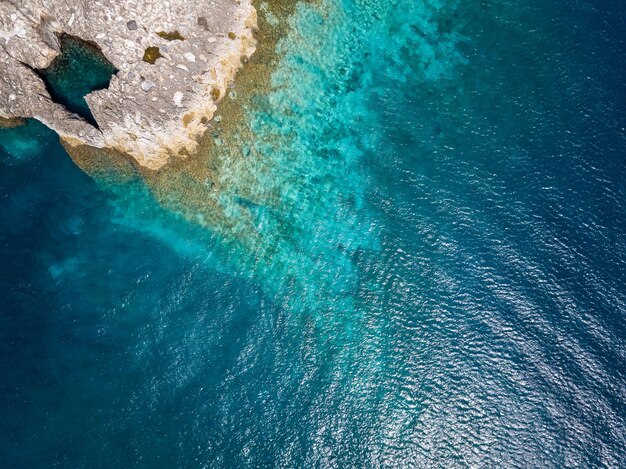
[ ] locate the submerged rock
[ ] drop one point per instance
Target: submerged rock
(200, 47)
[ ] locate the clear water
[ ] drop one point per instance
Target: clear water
(417, 259)
(80, 69)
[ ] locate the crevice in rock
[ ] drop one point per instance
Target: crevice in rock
(79, 69)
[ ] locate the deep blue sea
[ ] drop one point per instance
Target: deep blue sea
(417, 259)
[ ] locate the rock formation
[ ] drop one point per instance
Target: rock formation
(175, 60)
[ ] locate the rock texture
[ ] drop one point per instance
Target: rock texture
(176, 59)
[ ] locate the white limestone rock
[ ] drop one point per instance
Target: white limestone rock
(174, 96)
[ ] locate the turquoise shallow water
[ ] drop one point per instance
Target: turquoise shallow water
(79, 69)
(427, 266)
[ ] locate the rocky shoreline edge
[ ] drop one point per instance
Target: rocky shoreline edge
(175, 59)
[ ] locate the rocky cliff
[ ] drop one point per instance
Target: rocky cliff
(175, 60)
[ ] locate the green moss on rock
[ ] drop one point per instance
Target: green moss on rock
(151, 55)
(171, 36)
